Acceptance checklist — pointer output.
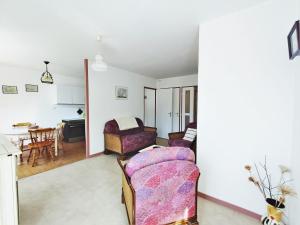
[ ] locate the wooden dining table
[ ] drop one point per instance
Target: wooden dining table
(19, 134)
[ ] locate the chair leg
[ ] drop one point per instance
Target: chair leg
(122, 197)
(34, 157)
(21, 157)
(50, 152)
(30, 152)
(21, 148)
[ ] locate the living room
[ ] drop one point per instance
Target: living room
(243, 95)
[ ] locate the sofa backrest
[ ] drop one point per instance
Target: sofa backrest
(112, 127)
(156, 156)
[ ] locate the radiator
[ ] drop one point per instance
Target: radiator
(8, 183)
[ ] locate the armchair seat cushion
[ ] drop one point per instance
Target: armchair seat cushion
(180, 143)
(165, 191)
(135, 141)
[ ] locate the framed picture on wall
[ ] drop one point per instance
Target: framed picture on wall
(9, 89)
(31, 88)
(294, 41)
(121, 92)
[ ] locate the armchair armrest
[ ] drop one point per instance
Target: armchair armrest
(150, 129)
(176, 135)
(113, 142)
(128, 193)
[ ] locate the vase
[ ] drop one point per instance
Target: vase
(275, 213)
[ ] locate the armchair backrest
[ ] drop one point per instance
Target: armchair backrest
(158, 155)
(112, 127)
(191, 125)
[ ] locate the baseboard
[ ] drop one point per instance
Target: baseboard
(95, 155)
(229, 205)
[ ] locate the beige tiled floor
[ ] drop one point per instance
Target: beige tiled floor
(88, 193)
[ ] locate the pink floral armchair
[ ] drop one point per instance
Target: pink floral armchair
(159, 186)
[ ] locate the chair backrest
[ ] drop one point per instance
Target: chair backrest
(158, 155)
(60, 128)
(42, 134)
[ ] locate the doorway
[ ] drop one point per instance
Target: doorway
(176, 108)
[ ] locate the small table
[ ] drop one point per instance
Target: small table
(18, 134)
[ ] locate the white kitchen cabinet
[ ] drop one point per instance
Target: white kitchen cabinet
(78, 95)
(70, 95)
(8, 183)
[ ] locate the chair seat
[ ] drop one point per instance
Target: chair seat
(41, 144)
(180, 143)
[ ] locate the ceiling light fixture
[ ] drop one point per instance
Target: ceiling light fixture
(99, 65)
(46, 76)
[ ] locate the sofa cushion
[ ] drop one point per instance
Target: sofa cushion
(180, 143)
(126, 123)
(138, 140)
(191, 125)
(190, 134)
(165, 192)
(158, 155)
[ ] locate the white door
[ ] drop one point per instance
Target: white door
(164, 112)
(187, 106)
(176, 110)
(149, 114)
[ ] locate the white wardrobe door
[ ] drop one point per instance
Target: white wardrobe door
(149, 107)
(164, 112)
(176, 110)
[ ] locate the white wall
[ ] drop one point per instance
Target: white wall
(295, 202)
(246, 99)
(103, 105)
(187, 80)
(33, 107)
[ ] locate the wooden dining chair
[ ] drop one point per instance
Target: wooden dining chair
(23, 142)
(60, 135)
(41, 139)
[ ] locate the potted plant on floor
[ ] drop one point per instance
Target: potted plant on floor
(274, 195)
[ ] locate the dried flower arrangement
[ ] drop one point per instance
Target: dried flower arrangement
(275, 195)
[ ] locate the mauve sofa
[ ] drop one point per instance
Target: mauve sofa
(126, 142)
(159, 186)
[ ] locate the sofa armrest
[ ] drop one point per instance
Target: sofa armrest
(176, 135)
(113, 142)
(150, 129)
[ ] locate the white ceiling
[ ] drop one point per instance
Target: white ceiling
(153, 38)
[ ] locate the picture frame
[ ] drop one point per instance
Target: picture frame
(6, 89)
(121, 93)
(31, 88)
(294, 41)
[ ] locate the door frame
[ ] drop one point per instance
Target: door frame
(191, 113)
(149, 88)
